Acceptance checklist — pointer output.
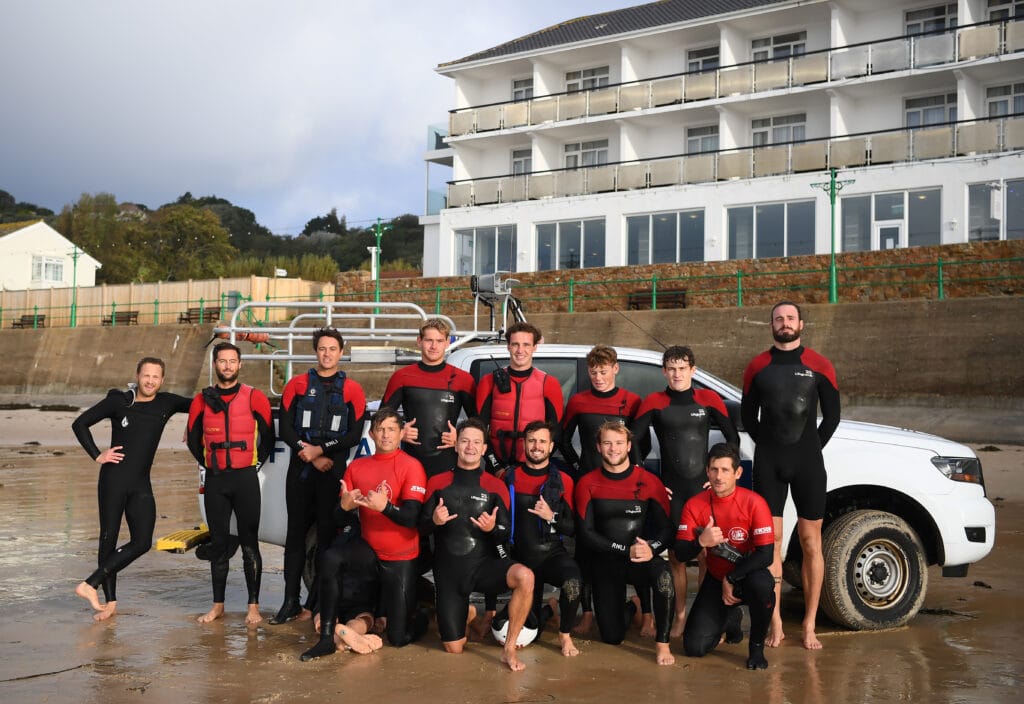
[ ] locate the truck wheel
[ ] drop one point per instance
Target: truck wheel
(792, 574)
(875, 571)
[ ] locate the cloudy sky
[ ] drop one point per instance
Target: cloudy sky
(285, 108)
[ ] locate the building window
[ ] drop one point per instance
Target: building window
(924, 218)
(47, 269)
(522, 161)
(572, 244)
(661, 238)
(771, 230)
(522, 89)
(586, 79)
(1014, 200)
(931, 110)
(1005, 100)
(702, 59)
(702, 139)
(484, 250)
(931, 19)
(1005, 9)
(779, 130)
(586, 153)
(984, 206)
(855, 235)
(781, 46)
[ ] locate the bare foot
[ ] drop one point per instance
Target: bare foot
(375, 641)
(585, 624)
(106, 612)
(380, 624)
(569, 648)
(663, 655)
(647, 629)
(89, 594)
(775, 634)
(253, 617)
(305, 615)
(811, 641)
(510, 657)
(480, 628)
(212, 615)
(677, 626)
(356, 641)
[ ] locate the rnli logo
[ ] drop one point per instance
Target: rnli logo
(737, 536)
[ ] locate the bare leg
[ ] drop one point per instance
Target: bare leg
(679, 580)
(213, 614)
(663, 655)
(109, 610)
(569, 648)
(252, 616)
(775, 634)
(812, 576)
(520, 580)
(89, 594)
(556, 617)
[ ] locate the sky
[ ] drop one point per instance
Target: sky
(288, 109)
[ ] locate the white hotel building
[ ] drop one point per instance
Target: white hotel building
(693, 130)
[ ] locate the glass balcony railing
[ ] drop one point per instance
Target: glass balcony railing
(923, 143)
(856, 60)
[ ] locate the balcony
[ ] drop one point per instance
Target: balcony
(840, 63)
(941, 141)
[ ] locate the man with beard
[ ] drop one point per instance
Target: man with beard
(231, 433)
(782, 389)
(137, 419)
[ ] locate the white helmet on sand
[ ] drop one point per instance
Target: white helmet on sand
(499, 629)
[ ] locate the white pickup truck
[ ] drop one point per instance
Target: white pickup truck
(898, 500)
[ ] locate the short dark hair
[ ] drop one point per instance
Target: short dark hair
(151, 360)
(384, 413)
(615, 426)
(473, 422)
(799, 312)
(524, 327)
(677, 353)
(723, 450)
(221, 346)
(534, 425)
(327, 332)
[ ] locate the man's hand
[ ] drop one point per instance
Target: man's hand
(375, 501)
(349, 499)
(485, 521)
(727, 596)
(410, 433)
(542, 510)
(323, 464)
(640, 551)
(308, 453)
(441, 515)
(447, 437)
(113, 455)
(711, 535)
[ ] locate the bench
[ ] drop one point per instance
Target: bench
(194, 316)
(29, 321)
(667, 298)
(122, 317)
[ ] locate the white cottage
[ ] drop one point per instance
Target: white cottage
(33, 255)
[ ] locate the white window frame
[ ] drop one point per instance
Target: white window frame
(921, 106)
(475, 232)
(679, 215)
(586, 79)
(47, 269)
(779, 46)
(522, 89)
(705, 59)
(786, 204)
(702, 139)
(557, 244)
(778, 129)
(584, 154)
(1005, 9)
(1004, 100)
(926, 20)
(522, 161)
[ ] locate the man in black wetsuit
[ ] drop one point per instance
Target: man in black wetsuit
(541, 500)
(137, 419)
(231, 433)
(622, 511)
(432, 395)
(467, 510)
(681, 416)
(782, 389)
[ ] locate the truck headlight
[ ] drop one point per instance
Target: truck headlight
(960, 469)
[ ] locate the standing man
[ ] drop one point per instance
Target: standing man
(681, 416)
(623, 521)
(541, 501)
(734, 525)
(511, 397)
(231, 433)
(322, 414)
(432, 394)
(467, 510)
(387, 490)
(782, 390)
(137, 420)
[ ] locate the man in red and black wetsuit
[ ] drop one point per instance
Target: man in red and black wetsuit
(511, 397)
(681, 416)
(387, 489)
(541, 516)
(734, 526)
(782, 389)
(467, 510)
(231, 433)
(622, 511)
(322, 415)
(432, 395)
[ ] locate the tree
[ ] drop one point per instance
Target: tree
(326, 223)
(188, 243)
(94, 225)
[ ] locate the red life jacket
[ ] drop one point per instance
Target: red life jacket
(229, 430)
(512, 412)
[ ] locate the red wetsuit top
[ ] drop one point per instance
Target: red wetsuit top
(259, 406)
(401, 478)
(587, 411)
(743, 516)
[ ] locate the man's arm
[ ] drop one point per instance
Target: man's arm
(658, 525)
(570, 420)
(760, 558)
(716, 408)
(194, 434)
(286, 419)
(355, 399)
(642, 432)
(828, 397)
(587, 529)
(89, 418)
(260, 405)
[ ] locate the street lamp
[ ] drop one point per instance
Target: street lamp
(75, 253)
(832, 187)
(378, 231)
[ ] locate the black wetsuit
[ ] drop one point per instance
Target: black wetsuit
(586, 411)
(466, 559)
(124, 488)
(613, 510)
(538, 544)
(786, 387)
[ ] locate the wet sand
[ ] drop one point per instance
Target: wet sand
(964, 646)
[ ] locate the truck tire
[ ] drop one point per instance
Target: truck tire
(875, 571)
